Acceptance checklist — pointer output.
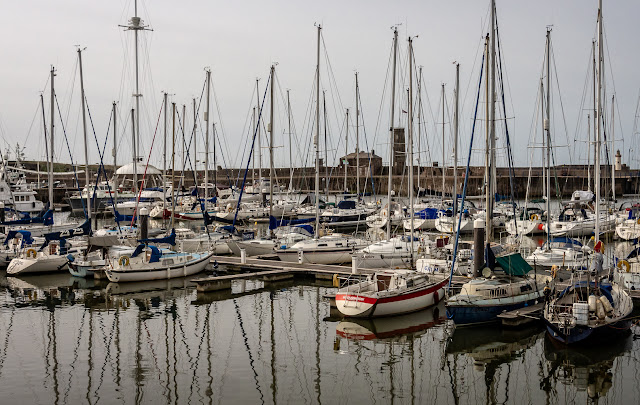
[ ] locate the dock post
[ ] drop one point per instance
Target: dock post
(144, 223)
(243, 256)
(478, 246)
(354, 264)
(300, 256)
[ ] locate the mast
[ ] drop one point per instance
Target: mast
(443, 151)
(115, 158)
(410, 136)
(487, 154)
(136, 24)
(206, 141)
(184, 142)
(547, 129)
(84, 131)
(164, 159)
(271, 126)
(596, 176)
(393, 102)
(346, 150)
(290, 144)
(326, 145)
(194, 139)
(492, 118)
(215, 163)
(253, 160)
(613, 143)
(357, 141)
(455, 142)
(173, 164)
(419, 125)
(52, 131)
(44, 128)
(589, 152)
(317, 137)
(259, 141)
(135, 152)
(595, 109)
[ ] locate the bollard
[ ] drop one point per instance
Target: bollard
(243, 256)
(354, 264)
(478, 246)
(144, 223)
(300, 256)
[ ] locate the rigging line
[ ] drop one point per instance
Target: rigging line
(466, 177)
(101, 167)
(75, 175)
(382, 98)
(564, 120)
(244, 180)
(506, 129)
(135, 210)
(224, 131)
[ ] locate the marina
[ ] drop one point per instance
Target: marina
(252, 232)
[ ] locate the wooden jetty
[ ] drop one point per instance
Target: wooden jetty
(274, 270)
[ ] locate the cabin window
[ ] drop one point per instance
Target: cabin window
(322, 244)
(338, 244)
(525, 288)
(398, 247)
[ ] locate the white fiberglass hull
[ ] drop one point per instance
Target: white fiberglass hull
(42, 264)
(148, 272)
(316, 256)
(252, 248)
(353, 304)
(446, 225)
(526, 227)
(628, 230)
(419, 224)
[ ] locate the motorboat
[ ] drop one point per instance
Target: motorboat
(389, 292)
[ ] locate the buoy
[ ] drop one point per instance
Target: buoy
(535, 217)
(625, 264)
(123, 261)
(554, 271)
(31, 253)
(540, 227)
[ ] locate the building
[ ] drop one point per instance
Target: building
(367, 160)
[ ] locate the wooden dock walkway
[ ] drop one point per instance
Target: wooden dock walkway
(275, 270)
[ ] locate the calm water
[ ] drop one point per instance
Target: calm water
(64, 340)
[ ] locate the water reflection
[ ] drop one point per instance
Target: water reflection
(65, 340)
(587, 369)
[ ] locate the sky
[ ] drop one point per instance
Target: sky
(240, 40)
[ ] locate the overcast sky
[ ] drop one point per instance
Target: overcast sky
(240, 40)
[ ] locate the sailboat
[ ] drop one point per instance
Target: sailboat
(507, 281)
(591, 309)
(328, 249)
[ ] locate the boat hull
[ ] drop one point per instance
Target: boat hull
(584, 334)
(334, 256)
(50, 264)
(365, 306)
(187, 269)
(477, 313)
